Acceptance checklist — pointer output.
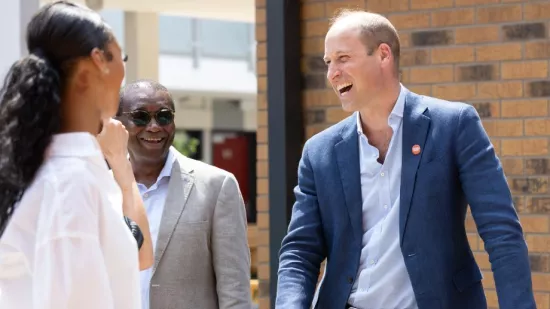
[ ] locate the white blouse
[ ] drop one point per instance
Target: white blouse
(66, 245)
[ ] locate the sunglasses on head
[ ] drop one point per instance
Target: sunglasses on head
(142, 118)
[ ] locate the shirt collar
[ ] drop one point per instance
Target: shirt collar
(75, 144)
(397, 110)
(167, 169)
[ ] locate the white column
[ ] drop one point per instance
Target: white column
(207, 146)
(141, 43)
(14, 16)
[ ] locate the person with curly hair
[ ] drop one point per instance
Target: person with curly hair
(64, 240)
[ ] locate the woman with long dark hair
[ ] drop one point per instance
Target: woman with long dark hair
(64, 243)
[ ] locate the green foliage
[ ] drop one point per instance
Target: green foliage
(185, 144)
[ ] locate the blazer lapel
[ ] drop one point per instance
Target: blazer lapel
(416, 123)
(347, 155)
(174, 205)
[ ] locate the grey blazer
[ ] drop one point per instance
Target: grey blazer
(202, 258)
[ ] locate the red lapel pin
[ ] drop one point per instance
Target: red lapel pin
(416, 150)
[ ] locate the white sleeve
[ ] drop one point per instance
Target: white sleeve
(69, 266)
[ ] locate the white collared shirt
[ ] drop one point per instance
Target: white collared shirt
(382, 280)
(154, 198)
(67, 245)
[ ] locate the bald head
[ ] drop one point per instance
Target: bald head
(140, 85)
(373, 29)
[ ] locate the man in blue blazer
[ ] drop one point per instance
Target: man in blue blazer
(382, 195)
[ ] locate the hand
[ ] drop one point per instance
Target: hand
(113, 140)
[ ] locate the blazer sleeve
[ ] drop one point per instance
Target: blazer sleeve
(486, 190)
(231, 254)
(303, 248)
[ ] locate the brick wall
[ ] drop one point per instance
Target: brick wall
(262, 202)
(490, 53)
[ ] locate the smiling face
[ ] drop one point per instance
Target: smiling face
(362, 58)
(352, 72)
(147, 113)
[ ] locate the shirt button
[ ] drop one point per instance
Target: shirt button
(382, 174)
(146, 195)
(372, 262)
(385, 206)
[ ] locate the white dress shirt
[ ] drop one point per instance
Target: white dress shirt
(153, 199)
(67, 245)
(382, 281)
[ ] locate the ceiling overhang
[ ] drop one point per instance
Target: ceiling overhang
(234, 10)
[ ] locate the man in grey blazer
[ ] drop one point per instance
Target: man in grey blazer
(196, 212)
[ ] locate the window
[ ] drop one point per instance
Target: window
(225, 39)
(175, 34)
(115, 19)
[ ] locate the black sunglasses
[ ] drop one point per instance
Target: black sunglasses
(142, 118)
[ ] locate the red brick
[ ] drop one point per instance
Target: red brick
(405, 39)
(499, 14)
(538, 243)
(314, 129)
(410, 20)
(426, 5)
(261, 67)
(262, 184)
(483, 34)
(261, 33)
(474, 2)
(542, 300)
(537, 50)
(454, 92)
(431, 74)
(533, 11)
(262, 203)
(500, 90)
(313, 46)
(262, 169)
(511, 51)
(314, 28)
(263, 254)
(261, 153)
(261, 51)
(316, 98)
(488, 280)
(512, 166)
(262, 101)
(492, 298)
(541, 282)
(473, 240)
(452, 55)
(524, 70)
(524, 108)
(482, 259)
(260, 16)
(537, 127)
(421, 89)
(313, 10)
(332, 8)
(535, 224)
(525, 147)
(504, 128)
(453, 17)
(383, 6)
(336, 114)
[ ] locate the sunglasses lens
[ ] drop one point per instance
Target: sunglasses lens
(141, 118)
(165, 117)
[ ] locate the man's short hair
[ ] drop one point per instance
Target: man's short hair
(375, 29)
(142, 83)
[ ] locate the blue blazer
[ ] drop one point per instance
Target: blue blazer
(457, 167)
